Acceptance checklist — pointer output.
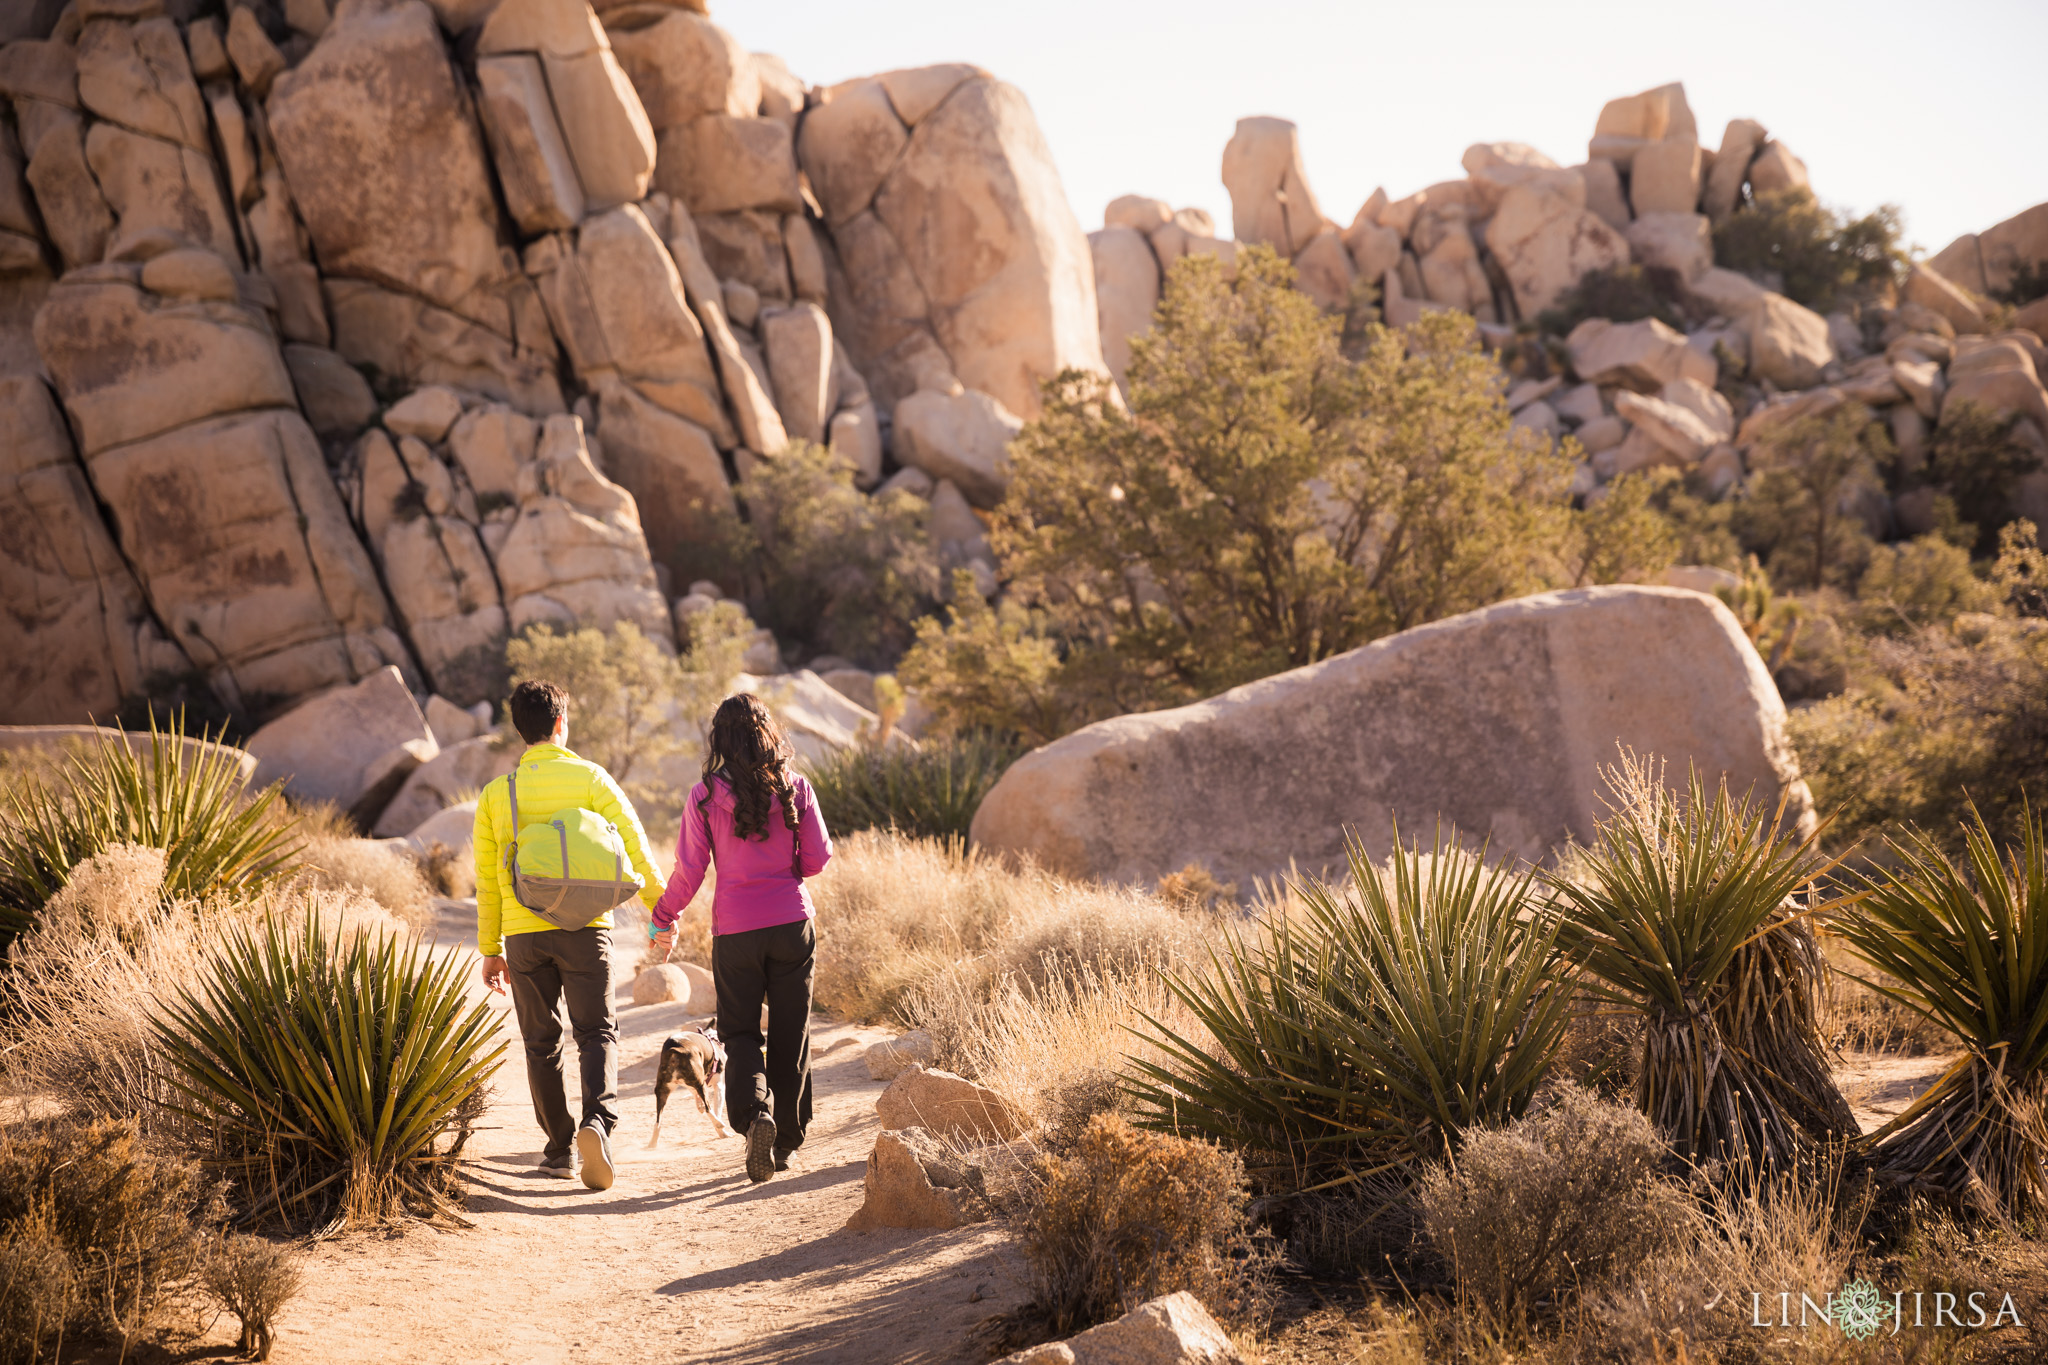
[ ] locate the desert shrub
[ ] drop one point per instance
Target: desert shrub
(1976, 460)
(327, 1069)
(1625, 536)
(1946, 710)
(896, 913)
(632, 703)
(92, 1205)
(1127, 1216)
(1564, 1200)
(823, 563)
(1264, 502)
(1965, 944)
(38, 1288)
(931, 790)
(195, 806)
(1680, 911)
(1815, 254)
(2029, 281)
(1620, 294)
(1917, 583)
(1366, 1033)
(1797, 512)
(334, 858)
(1196, 886)
(253, 1279)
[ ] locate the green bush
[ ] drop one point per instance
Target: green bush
(930, 791)
(1562, 1201)
(1818, 254)
(192, 803)
(1679, 912)
(1620, 294)
(1371, 1031)
(1126, 1216)
(1918, 583)
(327, 1071)
(1797, 511)
(822, 563)
(1978, 463)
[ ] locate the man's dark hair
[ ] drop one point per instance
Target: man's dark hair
(535, 707)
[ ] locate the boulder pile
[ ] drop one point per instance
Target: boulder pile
(338, 337)
(1518, 232)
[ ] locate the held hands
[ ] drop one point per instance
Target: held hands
(494, 974)
(665, 941)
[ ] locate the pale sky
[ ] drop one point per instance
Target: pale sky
(1934, 107)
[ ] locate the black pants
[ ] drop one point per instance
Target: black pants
(773, 964)
(576, 964)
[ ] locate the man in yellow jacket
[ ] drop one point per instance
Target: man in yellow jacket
(546, 964)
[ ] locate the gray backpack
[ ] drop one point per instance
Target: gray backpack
(569, 870)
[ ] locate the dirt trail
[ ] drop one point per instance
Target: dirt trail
(682, 1260)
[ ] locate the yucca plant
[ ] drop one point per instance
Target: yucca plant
(324, 1071)
(1365, 1036)
(1966, 946)
(191, 801)
(1687, 910)
(930, 791)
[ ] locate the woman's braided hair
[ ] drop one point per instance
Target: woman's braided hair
(748, 749)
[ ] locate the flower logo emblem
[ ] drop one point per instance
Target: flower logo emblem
(1859, 1310)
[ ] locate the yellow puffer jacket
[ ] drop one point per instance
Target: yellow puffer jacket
(551, 780)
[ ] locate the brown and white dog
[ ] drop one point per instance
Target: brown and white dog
(695, 1059)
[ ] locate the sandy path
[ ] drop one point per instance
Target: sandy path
(682, 1259)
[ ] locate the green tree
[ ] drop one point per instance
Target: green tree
(1799, 512)
(1978, 462)
(634, 703)
(1262, 503)
(819, 561)
(1815, 253)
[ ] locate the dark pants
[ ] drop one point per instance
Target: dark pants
(548, 966)
(773, 964)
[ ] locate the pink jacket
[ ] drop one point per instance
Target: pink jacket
(755, 889)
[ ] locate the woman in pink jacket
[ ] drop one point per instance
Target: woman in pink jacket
(759, 822)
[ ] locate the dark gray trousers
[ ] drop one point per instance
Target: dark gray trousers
(774, 965)
(576, 965)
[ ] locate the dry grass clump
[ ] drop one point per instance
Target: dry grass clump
(110, 1230)
(1559, 1202)
(896, 912)
(1127, 1216)
(336, 859)
(253, 1279)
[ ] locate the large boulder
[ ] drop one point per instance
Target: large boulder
(914, 1181)
(1174, 1330)
(1985, 262)
(964, 437)
(1126, 292)
(1789, 344)
(1270, 201)
(892, 1057)
(1930, 289)
(685, 67)
(1665, 177)
(1545, 241)
(1731, 167)
(1644, 355)
(344, 745)
(950, 1106)
(676, 983)
(1997, 374)
(1496, 721)
(671, 466)
(798, 344)
(1679, 242)
(603, 124)
(76, 635)
(458, 770)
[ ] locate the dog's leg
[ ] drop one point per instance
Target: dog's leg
(660, 1103)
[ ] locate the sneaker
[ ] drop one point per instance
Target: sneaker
(760, 1148)
(782, 1155)
(562, 1167)
(596, 1151)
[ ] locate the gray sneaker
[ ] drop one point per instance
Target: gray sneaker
(760, 1148)
(596, 1150)
(562, 1167)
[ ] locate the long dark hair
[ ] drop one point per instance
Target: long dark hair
(748, 749)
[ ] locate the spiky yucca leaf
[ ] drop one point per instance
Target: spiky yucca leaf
(930, 791)
(313, 1061)
(193, 802)
(1966, 946)
(1403, 1008)
(1687, 913)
